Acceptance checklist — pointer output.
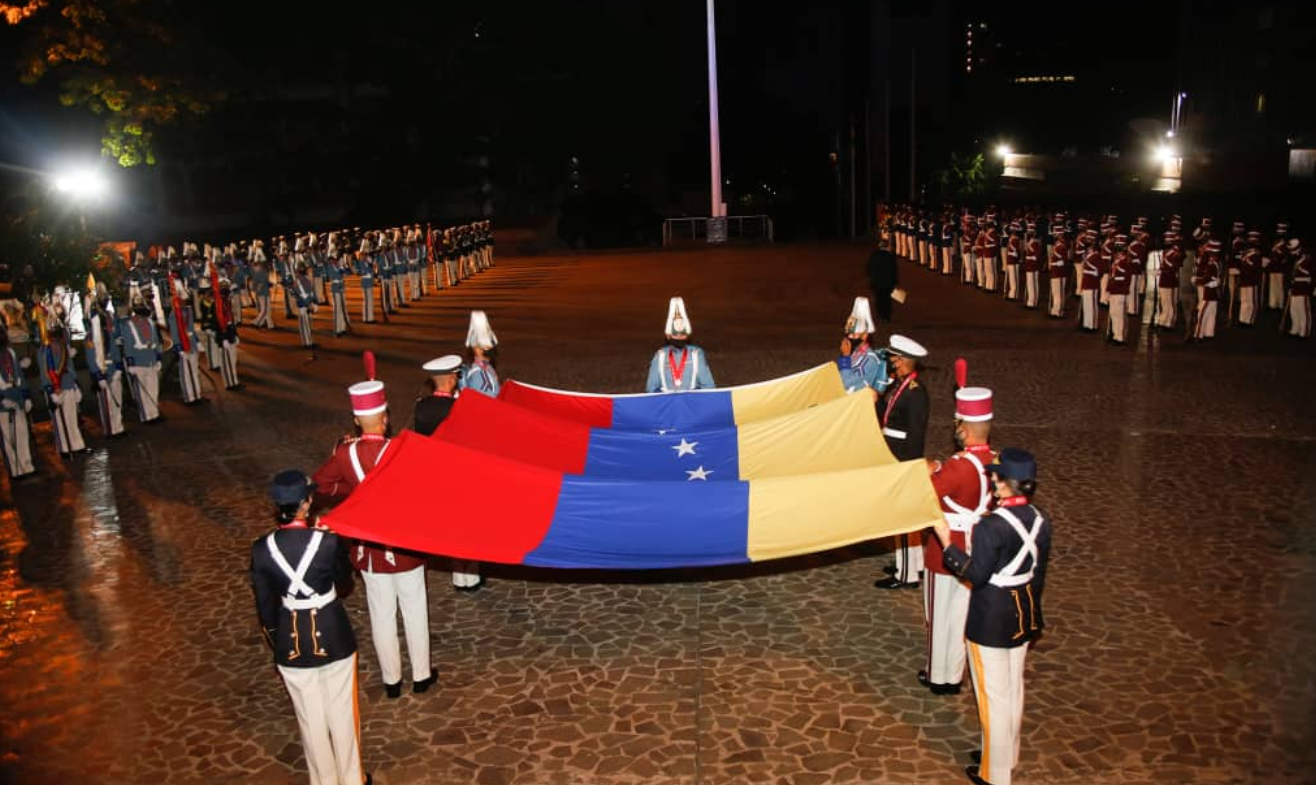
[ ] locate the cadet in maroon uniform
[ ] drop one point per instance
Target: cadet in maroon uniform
(1207, 281)
(393, 578)
(1167, 289)
(1249, 278)
(1032, 266)
(965, 495)
(1117, 287)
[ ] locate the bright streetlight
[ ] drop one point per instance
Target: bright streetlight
(1166, 153)
(82, 184)
(1003, 150)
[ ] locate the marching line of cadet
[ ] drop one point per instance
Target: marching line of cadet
(1029, 256)
(193, 303)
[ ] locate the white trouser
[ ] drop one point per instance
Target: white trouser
(1275, 293)
(998, 686)
(14, 436)
(1012, 281)
(68, 433)
(1135, 295)
(235, 305)
(1057, 296)
(1105, 293)
(947, 261)
(1247, 304)
(450, 270)
(1166, 314)
(315, 288)
(1206, 318)
(1030, 288)
(1118, 316)
(228, 362)
(401, 279)
(189, 375)
(1089, 308)
(368, 303)
(263, 315)
(109, 397)
(1300, 315)
(212, 349)
(304, 325)
(945, 610)
(340, 312)
(966, 269)
(146, 388)
(909, 557)
(386, 592)
(325, 702)
(465, 574)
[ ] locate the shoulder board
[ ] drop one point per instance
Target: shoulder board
(913, 384)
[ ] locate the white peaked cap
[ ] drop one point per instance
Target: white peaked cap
(480, 333)
(907, 347)
(861, 317)
(448, 363)
(678, 321)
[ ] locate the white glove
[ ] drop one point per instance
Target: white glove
(27, 406)
(8, 404)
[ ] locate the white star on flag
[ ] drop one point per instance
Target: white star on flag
(662, 431)
(685, 448)
(699, 474)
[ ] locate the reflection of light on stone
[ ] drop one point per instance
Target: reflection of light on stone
(98, 495)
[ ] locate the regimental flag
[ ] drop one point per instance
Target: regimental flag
(834, 436)
(427, 495)
(683, 411)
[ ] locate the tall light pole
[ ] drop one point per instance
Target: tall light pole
(714, 135)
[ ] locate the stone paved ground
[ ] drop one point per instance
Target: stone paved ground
(1181, 479)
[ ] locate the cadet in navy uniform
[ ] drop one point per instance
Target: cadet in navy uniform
(861, 367)
(432, 409)
(1007, 571)
(481, 342)
(903, 413)
(338, 293)
(365, 268)
(294, 572)
(260, 283)
(679, 365)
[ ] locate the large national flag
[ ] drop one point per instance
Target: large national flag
(696, 410)
(838, 435)
(433, 496)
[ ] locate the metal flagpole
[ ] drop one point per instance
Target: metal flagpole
(717, 228)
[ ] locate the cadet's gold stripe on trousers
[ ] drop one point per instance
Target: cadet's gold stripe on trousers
(984, 714)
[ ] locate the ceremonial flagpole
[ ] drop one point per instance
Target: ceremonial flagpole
(717, 209)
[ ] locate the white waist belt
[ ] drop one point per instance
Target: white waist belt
(960, 521)
(1010, 581)
(895, 434)
(310, 603)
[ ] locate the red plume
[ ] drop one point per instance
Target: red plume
(368, 360)
(961, 373)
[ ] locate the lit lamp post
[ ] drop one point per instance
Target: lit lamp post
(82, 186)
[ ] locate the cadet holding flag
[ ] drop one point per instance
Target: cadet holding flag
(679, 365)
(903, 413)
(861, 368)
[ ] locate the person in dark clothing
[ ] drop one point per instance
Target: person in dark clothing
(882, 278)
(432, 409)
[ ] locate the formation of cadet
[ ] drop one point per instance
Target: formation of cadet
(1121, 274)
(182, 305)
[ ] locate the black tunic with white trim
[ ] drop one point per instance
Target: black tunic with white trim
(297, 601)
(1007, 572)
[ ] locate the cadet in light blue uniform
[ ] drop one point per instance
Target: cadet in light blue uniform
(479, 374)
(860, 366)
(15, 404)
(260, 284)
(141, 350)
(187, 342)
(105, 361)
(338, 293)
(679, 365)
(60, 383)
(365, 268)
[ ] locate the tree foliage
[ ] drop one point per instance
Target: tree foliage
(965, 176)
(136, 63)
(42, 231)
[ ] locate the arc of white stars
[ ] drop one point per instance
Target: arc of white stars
(699, 474)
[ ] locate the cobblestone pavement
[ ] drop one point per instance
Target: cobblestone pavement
(1181, 480)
